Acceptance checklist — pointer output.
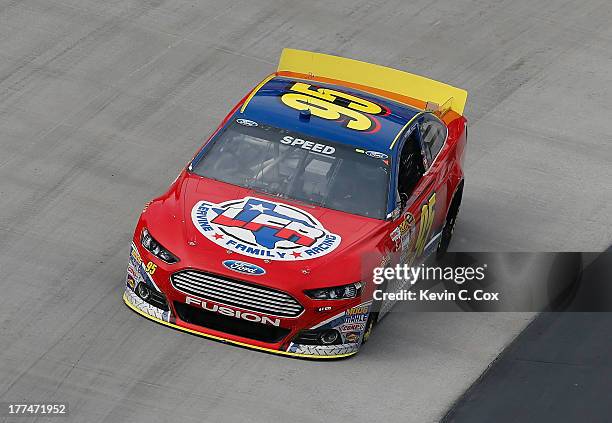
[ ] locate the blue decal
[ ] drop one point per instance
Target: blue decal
(244, 267)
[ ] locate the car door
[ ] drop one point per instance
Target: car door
(422, 189)
(422, 192)
(433, 201)
(412, 185)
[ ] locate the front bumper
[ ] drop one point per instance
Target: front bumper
(350, 322)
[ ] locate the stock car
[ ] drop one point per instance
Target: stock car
(328, 168)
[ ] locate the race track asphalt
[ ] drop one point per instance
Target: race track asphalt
(557, 369)
(101, 105)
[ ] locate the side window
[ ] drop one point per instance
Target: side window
(433, 135)
(411, 167)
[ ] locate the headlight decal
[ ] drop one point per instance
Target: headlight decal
(155, 248)
(349, 291)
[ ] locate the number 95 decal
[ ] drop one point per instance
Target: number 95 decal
(428, 211)
(151, 268)
(334, 105)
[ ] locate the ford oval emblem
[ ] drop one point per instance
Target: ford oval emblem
(377, 155)
(247, 122)
(244, 267)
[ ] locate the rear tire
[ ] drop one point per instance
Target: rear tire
(449, 225)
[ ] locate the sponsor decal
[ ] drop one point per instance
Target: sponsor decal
(136, 255)
(227, 311)
(323, 350)
(395, 213)
(244, 267)
(308, 145)
(385, 260)
(359, 318)
(352, 327)
(246, 122)
(357, 314)
(408, 239)
(357, 310)
(395, 236)
(138, 271)
(406, 224)
(377, 155)
(349, 110)
(404, 237)
(352, 337)
(264, 229)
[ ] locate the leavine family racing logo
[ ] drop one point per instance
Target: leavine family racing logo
(264, 229)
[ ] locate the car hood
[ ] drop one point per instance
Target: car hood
(180, 221)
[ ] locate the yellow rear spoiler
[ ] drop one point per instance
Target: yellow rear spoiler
(318, 65)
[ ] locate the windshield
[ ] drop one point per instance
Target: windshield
(299, 167)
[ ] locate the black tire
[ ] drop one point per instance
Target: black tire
(372, 318)
(449, 225)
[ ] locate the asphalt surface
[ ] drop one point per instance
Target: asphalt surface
(556, 370)
(102, 103)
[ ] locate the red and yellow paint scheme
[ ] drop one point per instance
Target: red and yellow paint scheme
(326, 169)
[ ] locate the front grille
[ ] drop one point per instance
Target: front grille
(236, 293)
(233, 326)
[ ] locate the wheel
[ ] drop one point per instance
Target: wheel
(372, 318)
(449, 225)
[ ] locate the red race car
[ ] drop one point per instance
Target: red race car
(328, 168)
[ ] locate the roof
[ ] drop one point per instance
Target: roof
(339, 114)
